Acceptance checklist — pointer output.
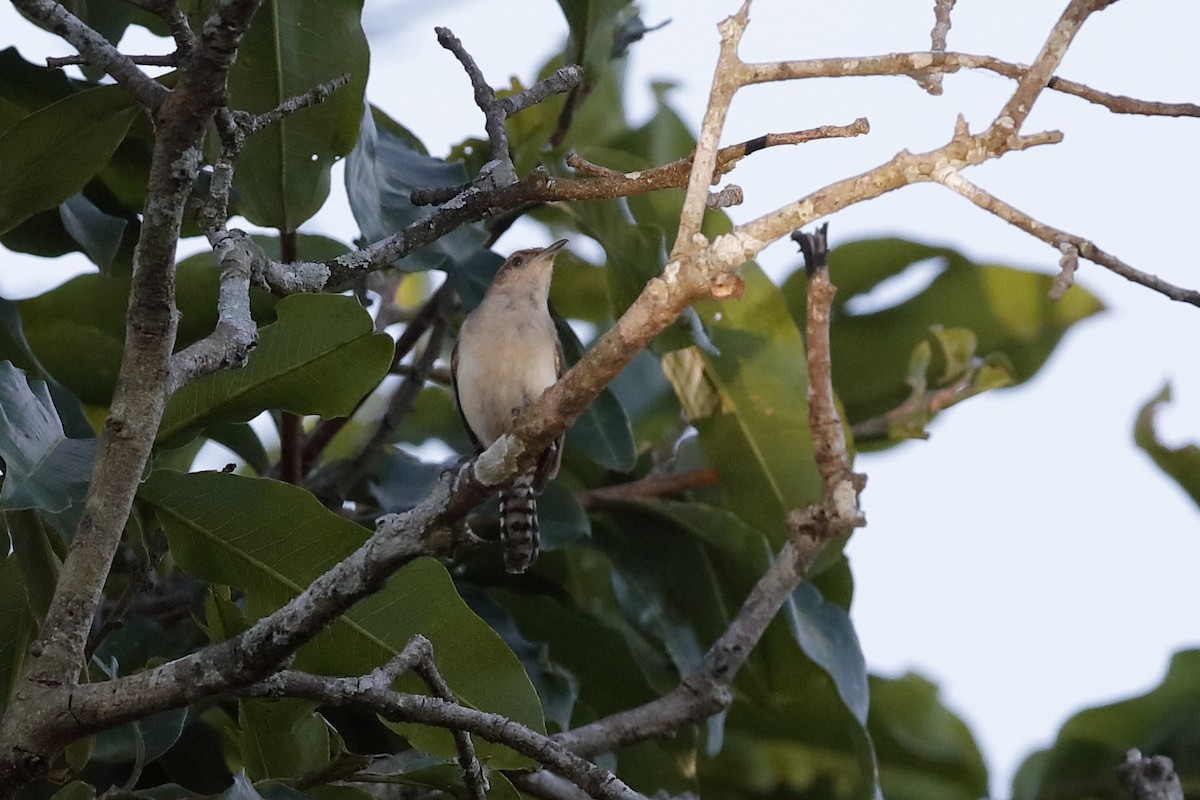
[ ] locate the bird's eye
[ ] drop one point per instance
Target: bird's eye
(518, 261)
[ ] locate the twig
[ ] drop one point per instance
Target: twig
(932, 80)
(373, 693)
(707, 690)
(655, 486)
(1058, 238)
(921, 61)
(417, 655)
(96, 50)
(167, 60)
(1149, 778)
(1068, 264)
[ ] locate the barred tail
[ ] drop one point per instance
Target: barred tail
(519, 524)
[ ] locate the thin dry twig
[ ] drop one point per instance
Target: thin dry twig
(932, 81)
(653, 486)
(1058, 238)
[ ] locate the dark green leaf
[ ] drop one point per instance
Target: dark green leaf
(51, 154)
(283, 175)
(321, 356)
(602, 430)
(17, 625)
(43, 468)
(26, 86)
(273, 539)
(593, 25)
(925, 751)
(242, 441)
(141, 742)
(99, 234)
(386, 165)
(281, 738)
(33, 545)
(1083, 760)
(15, 348)
(1181, 463)
(76, 790)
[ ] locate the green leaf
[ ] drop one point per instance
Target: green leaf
(17, 626)
(281, 738)
(925, 751)
(283, 175)
(33, 545)
(757, 430)
(1089, 746)
(602, 431)
(26, 87)
(15, 348)
(272, 540)
(1181, 463)
(51, 154)
(43, 468)
(321, 356)
(385, 166)
(141, 742)
(1007, 310)
(99, 234)
(242, 441)
(75, 790)
(593, 25)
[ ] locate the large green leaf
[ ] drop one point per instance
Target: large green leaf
(15, 348)
(321, 356)
(17, 625)
(1083, 760)
(387, 164)
(602, 430)
(1181, 463)
(925, 751)
(283, 738)
(272, 540)
(283, 174)
(51, 154)
(87, 314)
(1007, 309)
(25, 87)
(749, 401)
(43, 468)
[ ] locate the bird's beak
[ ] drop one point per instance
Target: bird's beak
(550, 251)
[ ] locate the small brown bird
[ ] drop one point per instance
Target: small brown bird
(507, 354)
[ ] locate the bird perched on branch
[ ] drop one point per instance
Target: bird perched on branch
(507, 354)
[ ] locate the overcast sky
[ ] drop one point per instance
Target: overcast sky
(1027, 557)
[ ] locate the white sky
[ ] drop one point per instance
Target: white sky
(1028, 558)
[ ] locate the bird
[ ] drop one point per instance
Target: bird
(507, 354)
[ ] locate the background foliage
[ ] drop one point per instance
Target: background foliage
(630, 591)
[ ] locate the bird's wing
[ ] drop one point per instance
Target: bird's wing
(458, 401)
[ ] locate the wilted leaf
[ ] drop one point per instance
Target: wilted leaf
(1181, 463)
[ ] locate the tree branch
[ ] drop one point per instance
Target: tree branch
(96, 50)
(1060, 239)
(373, 693)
